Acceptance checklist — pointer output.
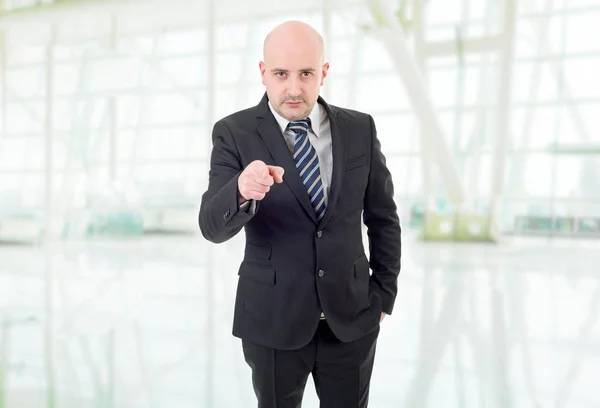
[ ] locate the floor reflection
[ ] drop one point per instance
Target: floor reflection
(148, 324)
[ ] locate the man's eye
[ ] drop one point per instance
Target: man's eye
(280, 74)
(306, 74)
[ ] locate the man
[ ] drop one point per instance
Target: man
(297, 174)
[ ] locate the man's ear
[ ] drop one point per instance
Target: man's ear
(324, 72)
(263, 67)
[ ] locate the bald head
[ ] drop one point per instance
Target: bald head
(292, 34)
(293, 70)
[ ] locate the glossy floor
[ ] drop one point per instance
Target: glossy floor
(147, 323)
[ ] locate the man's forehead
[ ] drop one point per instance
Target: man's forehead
(293, 58)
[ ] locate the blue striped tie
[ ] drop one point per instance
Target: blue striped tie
(307, 163)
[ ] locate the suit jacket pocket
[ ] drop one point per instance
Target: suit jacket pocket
(257, 272)
(361, 268)
(361, 284)
(356, 162)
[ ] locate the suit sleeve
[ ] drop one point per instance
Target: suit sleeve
(221, 217)
(383, 226)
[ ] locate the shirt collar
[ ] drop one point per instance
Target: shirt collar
(315, 119)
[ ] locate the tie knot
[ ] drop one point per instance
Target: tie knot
(299, 125)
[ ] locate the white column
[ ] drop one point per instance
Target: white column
(3, 84)
(112, 111)
(211, 58)
(354, 71)
(326, 33)
(426, 158)
(49, 135)
(503, 124)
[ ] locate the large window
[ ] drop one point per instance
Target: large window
(130, 102)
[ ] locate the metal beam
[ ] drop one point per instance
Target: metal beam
(469, 46)
(577, 149)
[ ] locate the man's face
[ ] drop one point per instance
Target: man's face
(293, 73)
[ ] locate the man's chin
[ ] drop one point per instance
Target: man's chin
(294, 112)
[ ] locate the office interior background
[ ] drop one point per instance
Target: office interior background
(487, 112)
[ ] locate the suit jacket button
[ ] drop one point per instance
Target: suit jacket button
(319, 234)
(226, 215)
(321, 273)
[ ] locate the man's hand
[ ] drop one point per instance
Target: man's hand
(382, 317)
(256, 180)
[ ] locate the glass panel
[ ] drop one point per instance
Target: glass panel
(444, 33)
(140, 44)
(382, 92)
(234, 35)
(539, 123)
(589, 177)
(183, 41)
(21, 191)
(225, 102)
(397, 133)
(589, 117)
(343, 24)
(86, 26)
(374, 57)
(579, 123)
(578, 4)
(22, 118)
(568, 176)
(341, 57)
(583, 32)
(533, 81)
(162, 144)
(177, 72)
(471, 90)
(406, 174)
(67, 78)
(230, 68)
(443, 11)
(115, 74)
(25, 54)
(540, 36)
(469, 138)
(582, 74)
(26, 83)
(442, 86)
(536, 176)
(172, 108)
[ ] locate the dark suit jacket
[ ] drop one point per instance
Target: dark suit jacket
(295, 267)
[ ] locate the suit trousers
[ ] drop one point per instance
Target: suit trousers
(341, 371)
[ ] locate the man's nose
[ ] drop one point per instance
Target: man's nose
(294, 87)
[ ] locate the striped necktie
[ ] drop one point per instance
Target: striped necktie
(307, 163)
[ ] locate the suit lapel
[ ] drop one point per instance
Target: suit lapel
(338, 147)
(271, 134)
